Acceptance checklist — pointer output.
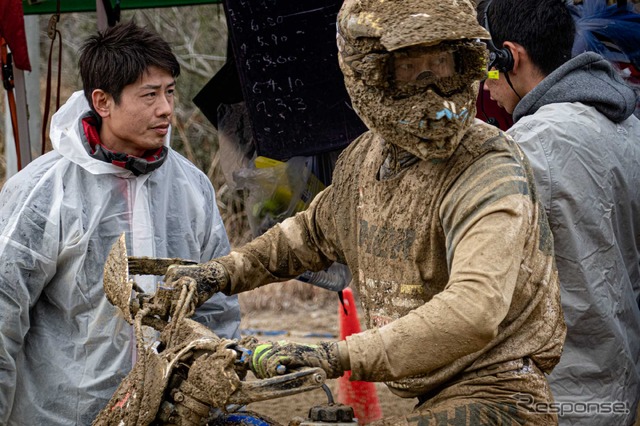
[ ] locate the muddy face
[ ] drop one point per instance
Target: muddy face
(424, 111)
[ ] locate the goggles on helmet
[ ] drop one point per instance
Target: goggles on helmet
(416, 68)
(446, 68)
(423, 64)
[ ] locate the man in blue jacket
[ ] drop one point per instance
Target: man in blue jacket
(574, 120)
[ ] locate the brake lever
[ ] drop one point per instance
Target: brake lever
(303, 380)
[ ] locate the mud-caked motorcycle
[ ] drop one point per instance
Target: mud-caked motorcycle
(186, 375)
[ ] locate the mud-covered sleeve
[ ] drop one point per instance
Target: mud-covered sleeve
(28, 250)
(300, 243)
(486, 217)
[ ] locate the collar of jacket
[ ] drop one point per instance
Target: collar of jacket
(137, 165)
(587, 78)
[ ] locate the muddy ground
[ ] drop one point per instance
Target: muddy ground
(308, 321)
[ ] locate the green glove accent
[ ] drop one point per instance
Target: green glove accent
(261, 357)
(268, 356)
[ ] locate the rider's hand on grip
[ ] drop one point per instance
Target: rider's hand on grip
(268, 358)
(210, 278)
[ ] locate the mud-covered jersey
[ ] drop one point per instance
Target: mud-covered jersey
(452, 260)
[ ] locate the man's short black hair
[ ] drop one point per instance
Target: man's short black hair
(119, 55)
(544, 28)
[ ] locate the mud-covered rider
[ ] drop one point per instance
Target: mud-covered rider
(438, 219)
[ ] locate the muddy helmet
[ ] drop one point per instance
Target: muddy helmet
(428, 114)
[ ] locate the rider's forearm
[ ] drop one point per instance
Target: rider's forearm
(343, 355)
(283, 252)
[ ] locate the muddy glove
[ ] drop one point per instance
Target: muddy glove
(210, 277)
(270, 359)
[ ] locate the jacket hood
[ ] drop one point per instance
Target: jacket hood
(587, 78)
(66, 137)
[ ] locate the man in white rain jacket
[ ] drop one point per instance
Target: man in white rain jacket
(574, 120)
(63, 347)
